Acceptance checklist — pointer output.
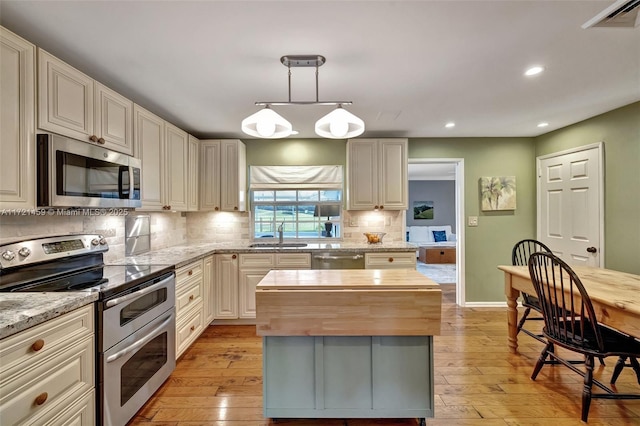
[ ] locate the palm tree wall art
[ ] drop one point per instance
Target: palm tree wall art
(498, 193)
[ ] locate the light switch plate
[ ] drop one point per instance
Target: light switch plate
(473, 221)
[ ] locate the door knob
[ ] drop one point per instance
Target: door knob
(592, 249)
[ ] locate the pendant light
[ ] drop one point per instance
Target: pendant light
(268, 124)
(339, 124)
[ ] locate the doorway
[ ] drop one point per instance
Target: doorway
(425, 167)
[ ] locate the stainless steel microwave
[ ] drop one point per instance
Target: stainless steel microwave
(72, 173)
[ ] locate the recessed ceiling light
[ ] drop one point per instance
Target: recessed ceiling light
(450, 125)
(533, 71)
(543, 124)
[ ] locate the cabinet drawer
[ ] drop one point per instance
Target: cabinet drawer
(188, 329)
(188, 296)
(293, 261)
(390, 260)
(188, 273)
(37, 344)
(49, 387)
(251, 260)
(440, 255)
(82, 412)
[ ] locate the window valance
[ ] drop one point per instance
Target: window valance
(295, 177)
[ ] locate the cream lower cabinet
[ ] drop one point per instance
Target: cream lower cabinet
(226, 286)
(209, 279)
(189, 305)
(377, 174)
(254, 266)
(73, 104)
(47, 375)
(17, 122)
(238, 275)
(390, 260)
(223, 175)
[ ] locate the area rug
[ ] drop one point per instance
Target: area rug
(440, 273)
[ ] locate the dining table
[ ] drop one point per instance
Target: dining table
(615, 297)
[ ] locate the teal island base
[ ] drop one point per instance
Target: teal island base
(348, 377)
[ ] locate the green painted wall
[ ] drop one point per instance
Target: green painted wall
(490, 243)
(296, 152)
(620, 131)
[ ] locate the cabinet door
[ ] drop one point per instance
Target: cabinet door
(248, 280)
(192, 171)
(65, 98)
(208, 286)
(210, 175)
(233, 172)
(149, 147)
(226, 289)
(17, 122)
(393, 178)
(177, 146)
(113, 119)
(362, 174)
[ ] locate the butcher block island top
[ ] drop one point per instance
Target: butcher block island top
(349, 302)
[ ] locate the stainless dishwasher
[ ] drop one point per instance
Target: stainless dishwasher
(332, 260)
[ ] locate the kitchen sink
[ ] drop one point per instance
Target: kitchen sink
(277, 245)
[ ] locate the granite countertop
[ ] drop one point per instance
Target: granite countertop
(19, 311)
(184, 254)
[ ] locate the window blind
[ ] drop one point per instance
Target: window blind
(295, 177)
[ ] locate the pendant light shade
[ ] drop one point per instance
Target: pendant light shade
(267, 124)
(339, 124)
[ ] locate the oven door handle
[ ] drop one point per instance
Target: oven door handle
(119, 300)
(140, 343)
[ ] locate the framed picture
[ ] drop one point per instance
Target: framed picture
(498, 193)
(423, 209)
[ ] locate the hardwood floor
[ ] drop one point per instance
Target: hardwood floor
(477, 381)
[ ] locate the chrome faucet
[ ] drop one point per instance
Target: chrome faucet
(280, 233)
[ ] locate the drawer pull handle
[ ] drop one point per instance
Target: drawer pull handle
(233, 256)
(42, 398)
(37, 345)
(193, 327)
(391, 259)
(190, 272)
(191, 297)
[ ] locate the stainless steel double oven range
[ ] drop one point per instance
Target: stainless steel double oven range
(135, 313)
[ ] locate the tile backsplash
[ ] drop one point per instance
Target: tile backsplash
(174, 228)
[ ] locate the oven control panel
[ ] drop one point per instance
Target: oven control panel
(43, 249)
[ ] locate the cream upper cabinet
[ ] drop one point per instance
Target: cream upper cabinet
(163, 149)
(113, 119)
(149, 143)
(377, 174)
(73, 104)
(193, 174)
(17, 122)
(176, 176)
(223, 175)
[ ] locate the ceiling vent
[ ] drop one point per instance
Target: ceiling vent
(621, 14)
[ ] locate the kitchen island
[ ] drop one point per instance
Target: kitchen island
(348, 343)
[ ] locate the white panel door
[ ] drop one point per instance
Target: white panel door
(570, 205)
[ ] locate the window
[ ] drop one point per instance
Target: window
(306, 200)
(305, 214)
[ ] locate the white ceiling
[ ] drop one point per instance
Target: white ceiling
(408, 66)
